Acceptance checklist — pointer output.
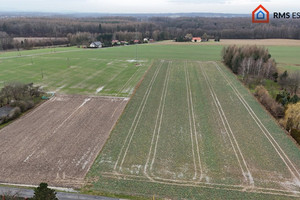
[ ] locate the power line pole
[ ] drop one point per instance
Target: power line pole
(136, 35)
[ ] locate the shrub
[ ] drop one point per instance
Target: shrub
(270, 104)
(291, 119)
(285, 98)
(3, 119)
(22, 105)
(296, 135)
(14, 113)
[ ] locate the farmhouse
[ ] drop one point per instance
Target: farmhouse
(96, 44)
(196, 39)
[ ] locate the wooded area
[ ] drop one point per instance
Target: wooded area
(130, 28)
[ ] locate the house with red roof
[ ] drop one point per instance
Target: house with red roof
(196, 39)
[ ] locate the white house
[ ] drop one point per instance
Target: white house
(96, 44)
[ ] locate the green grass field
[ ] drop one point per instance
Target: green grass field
(287, 58)
(108, 71)
(85, 71)
(75, 72)
(193, 131)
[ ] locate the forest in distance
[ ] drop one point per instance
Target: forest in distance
(130, 28)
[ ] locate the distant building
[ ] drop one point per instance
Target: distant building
(124, 42)
(115, 42)
(196, 39)
(136, 41)
(96, 44)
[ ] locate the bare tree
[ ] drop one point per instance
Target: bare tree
(293, 83)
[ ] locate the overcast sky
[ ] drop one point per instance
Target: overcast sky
(149, 6)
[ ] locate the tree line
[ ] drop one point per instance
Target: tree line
(255, 67)
(157, 28)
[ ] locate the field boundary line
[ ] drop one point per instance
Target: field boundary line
(136, 116)
(247, 175)
(184, 182)
(159, 116)
(194, 121)
(265, 131)
(198, 185)
(110, 131)
(117, 108)
(128, 81)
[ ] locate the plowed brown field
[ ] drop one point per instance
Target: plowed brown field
(57, 142)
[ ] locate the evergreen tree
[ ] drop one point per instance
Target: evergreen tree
(44, 193)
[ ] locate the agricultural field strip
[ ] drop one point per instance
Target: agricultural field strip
(193, 131)
(86, 159)
(191, 109)
(192, 127)
(112, 115)
(145, 102)
(40, 54)
(195, 184)
(136, 119)
(238, 153)
(191, 183)
(158, 118)
(254, 190)
(264, 130)
(41, 107)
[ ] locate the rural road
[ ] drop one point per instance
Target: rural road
(27, 193)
